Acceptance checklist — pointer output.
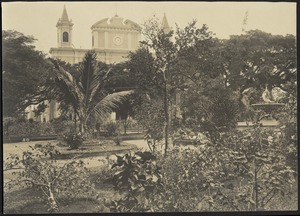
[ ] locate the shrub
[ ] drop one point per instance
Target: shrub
(184, 181)
(28, 129)
(137, 178)
(240, 171)
(73, 140)
(57, 182)
(150, 115)
(117, 139)
(61, 125)
(7, 122)
(111, 129)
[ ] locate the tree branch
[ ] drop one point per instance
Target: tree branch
(263, 199)
(270, 198)
(12, 168)
(58, 174)
(229, 201)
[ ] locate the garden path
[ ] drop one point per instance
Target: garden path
(18, 148)
(91, 162)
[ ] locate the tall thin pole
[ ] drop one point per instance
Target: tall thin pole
(166, 111)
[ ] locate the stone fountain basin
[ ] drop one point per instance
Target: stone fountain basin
(264, 122)
(267, 105)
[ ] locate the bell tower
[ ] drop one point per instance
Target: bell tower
(64, 30)
(165, 25)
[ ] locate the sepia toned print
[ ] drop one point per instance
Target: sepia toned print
(112, 107)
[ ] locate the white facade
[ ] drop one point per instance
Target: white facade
(112, 39)
(51, 112)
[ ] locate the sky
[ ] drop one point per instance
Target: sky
(223, 18)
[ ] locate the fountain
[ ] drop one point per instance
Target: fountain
(269, 106)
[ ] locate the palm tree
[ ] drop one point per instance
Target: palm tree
(85, 95)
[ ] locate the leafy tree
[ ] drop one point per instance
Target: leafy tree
(142, 72)
(158, 41)
(86, 95)
(147, 99)
(211, 111)
(121, 80)
(170, 65)
(151, 116)
(125, 111)
(198, 61)
(23, 71)
(206, 102)
(258, 59)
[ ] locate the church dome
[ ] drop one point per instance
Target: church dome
(116, 22)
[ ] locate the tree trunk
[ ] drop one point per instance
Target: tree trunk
(166, 109)
(81, 127)
(51, 199)
(75, 119)
(125, 125)
(256, 189)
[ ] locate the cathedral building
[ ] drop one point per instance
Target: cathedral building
(112, 39)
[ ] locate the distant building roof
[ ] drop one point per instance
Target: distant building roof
(116, 22)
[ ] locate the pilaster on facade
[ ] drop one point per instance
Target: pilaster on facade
(129, 41)
(95, 42)
(105, 39)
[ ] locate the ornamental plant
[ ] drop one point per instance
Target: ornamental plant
(137, 178)
(112, 129)
(73, 140)
(56, 182)
(259, 163)
(25, 128)
(241, 171)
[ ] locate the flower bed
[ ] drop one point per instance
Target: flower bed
(93, 148)
(186, 137)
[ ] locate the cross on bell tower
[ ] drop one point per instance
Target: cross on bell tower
(64, 30)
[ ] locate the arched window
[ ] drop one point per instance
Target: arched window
(65, 37)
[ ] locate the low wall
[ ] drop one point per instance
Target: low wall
(267, 124)
(27, 139)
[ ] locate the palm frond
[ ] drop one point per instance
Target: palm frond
(88, 75)
(108, 103)
(99, 86)
(63, 88)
